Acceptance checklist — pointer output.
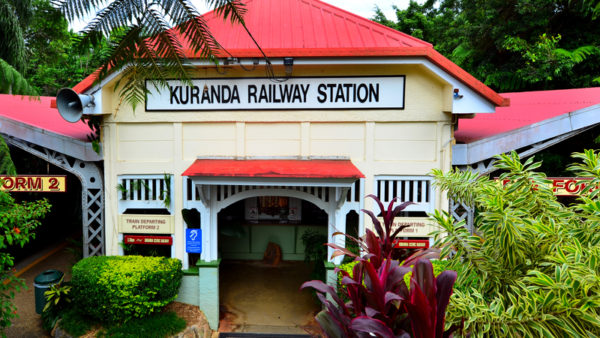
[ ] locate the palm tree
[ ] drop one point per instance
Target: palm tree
(14, 15)
(144, 40)
(145, 37)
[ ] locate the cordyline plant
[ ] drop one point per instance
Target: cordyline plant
(380, 302)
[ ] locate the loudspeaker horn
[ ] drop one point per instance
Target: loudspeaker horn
(70, 104)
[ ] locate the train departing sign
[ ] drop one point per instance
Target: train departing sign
(31, 183)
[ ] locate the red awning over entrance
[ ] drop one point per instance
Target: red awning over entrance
(337, 169)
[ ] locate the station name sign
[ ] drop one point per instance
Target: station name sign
(373, 92)
(30, 183)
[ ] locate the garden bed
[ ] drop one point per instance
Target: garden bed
(196, 323)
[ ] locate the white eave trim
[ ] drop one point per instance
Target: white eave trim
(273, 182)
(470, 103)
(471, 153)
(47, 139)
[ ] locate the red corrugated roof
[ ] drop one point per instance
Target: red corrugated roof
(304, 25)
(38, 113)
(525, 108)
(311, 28)
(274, 168)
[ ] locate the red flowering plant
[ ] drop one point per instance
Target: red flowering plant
(17, 222)
(380, 302)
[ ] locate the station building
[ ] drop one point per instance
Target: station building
(254, 152)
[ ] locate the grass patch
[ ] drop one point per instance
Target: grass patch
(159, 325)
(74, 323)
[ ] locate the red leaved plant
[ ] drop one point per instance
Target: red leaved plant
(380, 303)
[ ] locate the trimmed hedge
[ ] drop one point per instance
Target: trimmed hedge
(119, 288)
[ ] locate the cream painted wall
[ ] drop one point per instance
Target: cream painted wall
(411, 141)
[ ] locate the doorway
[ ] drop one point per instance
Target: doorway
(263, 295)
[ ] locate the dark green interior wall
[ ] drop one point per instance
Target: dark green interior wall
(251, 242)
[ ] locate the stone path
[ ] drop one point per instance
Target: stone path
(29, 323)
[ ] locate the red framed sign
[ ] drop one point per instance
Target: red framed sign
(34, 183)
(148, 240)
(411, 244)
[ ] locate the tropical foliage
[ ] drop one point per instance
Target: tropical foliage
(57, 58)
(17, 222)
(511, 45)
(532, 267)
(148, 38)
(14, 17)
(379, 300)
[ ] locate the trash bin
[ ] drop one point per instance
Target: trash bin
(42, 283)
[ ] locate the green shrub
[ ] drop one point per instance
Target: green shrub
(119, 288)
(531, 267)
(58, 299)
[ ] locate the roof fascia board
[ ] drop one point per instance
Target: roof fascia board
(60, 143)
(470, 153)
(470, 103)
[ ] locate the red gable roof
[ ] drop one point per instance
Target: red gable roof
(304, 28)
(526, 108)
(276, 168)
(38, 113)
(312, 28)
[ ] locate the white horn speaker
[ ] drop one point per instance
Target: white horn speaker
(70, 104)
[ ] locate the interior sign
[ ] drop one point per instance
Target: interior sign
(373, 92)
(30, 183)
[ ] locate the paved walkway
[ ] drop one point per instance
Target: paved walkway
(256, 297)
(29, 323)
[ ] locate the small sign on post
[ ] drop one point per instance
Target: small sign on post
(193, 240)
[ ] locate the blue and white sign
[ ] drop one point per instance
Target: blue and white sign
(193, 240)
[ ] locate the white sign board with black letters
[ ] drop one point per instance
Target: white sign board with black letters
(373, 92)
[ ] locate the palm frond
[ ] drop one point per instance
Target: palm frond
(74, 9)
(12, 42)
(149, 33)
(13, 82)
(232, 9)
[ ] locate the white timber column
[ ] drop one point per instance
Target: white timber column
(205, 226)
(337, 221)
(213, 237)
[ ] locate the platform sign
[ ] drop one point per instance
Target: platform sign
(566, 186)
(417, 226)
(146, 224)
(193, 240)
(148, 240)
(33, 183)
